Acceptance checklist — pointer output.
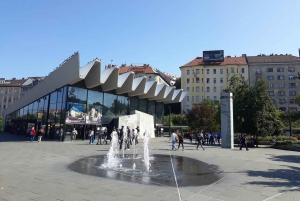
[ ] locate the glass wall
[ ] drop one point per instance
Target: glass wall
(122, 106)
(94, 106)
(76, 105)
(143, 105)
(109, 108)
(134, 104)
(159, 115)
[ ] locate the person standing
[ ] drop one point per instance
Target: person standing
(219, 137)
(191, 136)
(181, 141)
(32, 134)
(105, 136)
(244, 143)
(74, 133)
(100, 132)
(137, 134)
(40, 134)
(174, 138)
(200, 140)
(121, 135)
(91, 135)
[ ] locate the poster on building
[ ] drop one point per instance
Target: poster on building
(94, 115)
(75, 113)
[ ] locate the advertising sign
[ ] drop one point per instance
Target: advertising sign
(94, 115)
(213, 56)
(75, 113)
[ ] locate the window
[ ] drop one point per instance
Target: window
(270, 78)
(280, 77)
(197, 71)
(221, 71)
(215, 89)
(215, 80)
(197, 80)
(280, 69)
(187, 72)
(243, 70)
(258, 70)
(208, 97)
(221, 80)
(207, 71)
(187, 107)
(292, 85)
(221, 88)
(207, 89)
(197, 99)
(202, 71)
(193, 98)
(187, 98)
(273, 101)
(271, 93)
(150, 78)
(188, 81)
(291, 69)
(292, 101)
(214, 71)
(282, 108)
(292, 93)
(281, 85)
(291, 77)
(231, 70)
(269, 70)
(188, 89)
(293, 109)
(281, 93)
(215, 98)
(271, 85)
(197, 89)
(207, 80)
(282, 101)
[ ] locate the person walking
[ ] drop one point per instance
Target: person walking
(40, 134)
(200, 140)
(244, 143)
(137, 134)
(191, 136)
(32, 134)
(74, 134)
(100, 132)
(174, 139)
(91, 135)
(219, 137)
(181, 138)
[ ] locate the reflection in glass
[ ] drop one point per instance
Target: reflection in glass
(134, 104)
(143, 105)
(53, 97)
(109, 107)
(95, 102)
(151, 107)
(77, 95)
(159, 113)
(122, 106)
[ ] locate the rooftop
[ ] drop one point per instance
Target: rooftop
(11, 83)
(280, 58)
(227, 61)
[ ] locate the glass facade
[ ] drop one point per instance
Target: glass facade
(69, 106)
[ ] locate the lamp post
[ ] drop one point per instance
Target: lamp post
(169, 121)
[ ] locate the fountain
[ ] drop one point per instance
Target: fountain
(112, 159)
(124, 140)
(146, 150)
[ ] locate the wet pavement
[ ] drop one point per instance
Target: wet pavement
(189, 172)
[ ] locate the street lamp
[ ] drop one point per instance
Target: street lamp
(169, 121)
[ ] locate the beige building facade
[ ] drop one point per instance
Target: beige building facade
(281, 72)
(207, 80)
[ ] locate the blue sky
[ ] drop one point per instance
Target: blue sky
(36, 36)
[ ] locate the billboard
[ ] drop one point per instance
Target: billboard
(213, 56)
(75, 113)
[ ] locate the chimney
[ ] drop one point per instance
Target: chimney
(244, 55)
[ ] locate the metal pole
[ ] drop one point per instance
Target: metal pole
(169, 121)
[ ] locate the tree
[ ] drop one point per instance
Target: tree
(176, 120)
(297, 99)
(178, 83)
(202, 118)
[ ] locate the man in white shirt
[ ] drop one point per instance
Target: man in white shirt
(173, 138)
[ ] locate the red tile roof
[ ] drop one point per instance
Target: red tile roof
(227, 61)
(137, 69)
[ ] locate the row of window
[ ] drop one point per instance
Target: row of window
(197, 98)
(280, 77)
(197, 80)
(292, 109)
(9, 92)
(282, 93)
(282, 85)
(270, 70)
(197, 89)
(214, 71)
(283, 101)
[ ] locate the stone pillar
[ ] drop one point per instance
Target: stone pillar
(227, 120)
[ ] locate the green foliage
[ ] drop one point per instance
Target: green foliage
(202, 118)
(176, 120)
(253, 111)
(278, 138)
(297, 99)
(1, 121)
(287, 142)
(178, 83)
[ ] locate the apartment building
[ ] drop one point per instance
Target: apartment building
(205, 80)
(280, 71)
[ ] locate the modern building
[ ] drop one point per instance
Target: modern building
(86, 97)
(280, 71)
(206, 80)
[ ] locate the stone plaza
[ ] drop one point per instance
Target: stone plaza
(39, 171)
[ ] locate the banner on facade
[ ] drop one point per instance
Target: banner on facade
(75, 113)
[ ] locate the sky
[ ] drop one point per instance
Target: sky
(36, 36)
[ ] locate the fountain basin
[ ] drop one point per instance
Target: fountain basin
(189, 172)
